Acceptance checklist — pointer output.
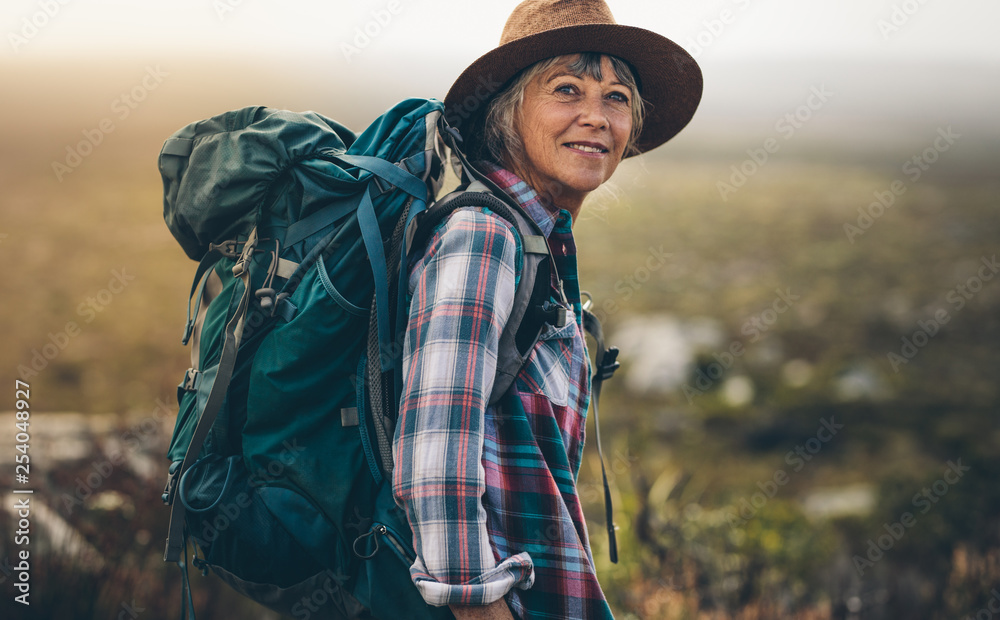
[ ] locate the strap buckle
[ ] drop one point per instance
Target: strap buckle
(554, 314)
(229, 249)
(191, 377)
(172, 479)
(246, 255)
(608, 365)
(200, 563)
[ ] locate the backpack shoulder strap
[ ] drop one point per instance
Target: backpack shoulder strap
(526, 321)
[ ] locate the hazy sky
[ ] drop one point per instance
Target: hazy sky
(897, 67)
(960, 30)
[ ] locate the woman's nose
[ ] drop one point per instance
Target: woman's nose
(592, 111)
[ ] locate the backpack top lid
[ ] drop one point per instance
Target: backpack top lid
(217, 172)
(211, 192)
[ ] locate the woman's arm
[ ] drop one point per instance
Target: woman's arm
(463, 292)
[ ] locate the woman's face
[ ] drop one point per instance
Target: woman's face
(574, 130)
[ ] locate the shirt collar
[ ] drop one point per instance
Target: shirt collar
(545, 215)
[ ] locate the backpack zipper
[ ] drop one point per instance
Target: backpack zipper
(396, 542)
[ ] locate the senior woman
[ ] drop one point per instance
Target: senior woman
(490, 491)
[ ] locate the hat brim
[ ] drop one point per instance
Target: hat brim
(670, 80)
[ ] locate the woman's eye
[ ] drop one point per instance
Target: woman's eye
(617, 96)
(565, 88)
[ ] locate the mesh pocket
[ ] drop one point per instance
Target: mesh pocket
(205, 483)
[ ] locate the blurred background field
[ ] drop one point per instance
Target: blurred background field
(730, 503)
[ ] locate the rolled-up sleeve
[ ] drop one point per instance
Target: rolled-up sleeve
(462, 293)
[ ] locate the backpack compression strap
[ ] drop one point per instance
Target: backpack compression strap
(372, 236)
(227, 362)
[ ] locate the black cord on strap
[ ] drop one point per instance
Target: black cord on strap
(607, 364)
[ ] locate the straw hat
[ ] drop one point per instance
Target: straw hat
(669, 78)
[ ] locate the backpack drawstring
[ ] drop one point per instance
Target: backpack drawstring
(187, 603)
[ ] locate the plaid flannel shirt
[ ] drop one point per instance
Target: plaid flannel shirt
(490, 491)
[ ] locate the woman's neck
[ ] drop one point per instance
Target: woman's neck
(553, 195)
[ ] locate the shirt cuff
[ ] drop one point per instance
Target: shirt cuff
(516, 571)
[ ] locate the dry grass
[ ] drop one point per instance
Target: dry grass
(62, 241)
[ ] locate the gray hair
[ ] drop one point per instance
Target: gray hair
(501, 141)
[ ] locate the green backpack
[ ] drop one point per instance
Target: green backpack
(282, 447)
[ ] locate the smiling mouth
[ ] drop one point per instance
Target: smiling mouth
(585, 148)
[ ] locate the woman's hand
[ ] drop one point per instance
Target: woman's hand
(497, 610)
